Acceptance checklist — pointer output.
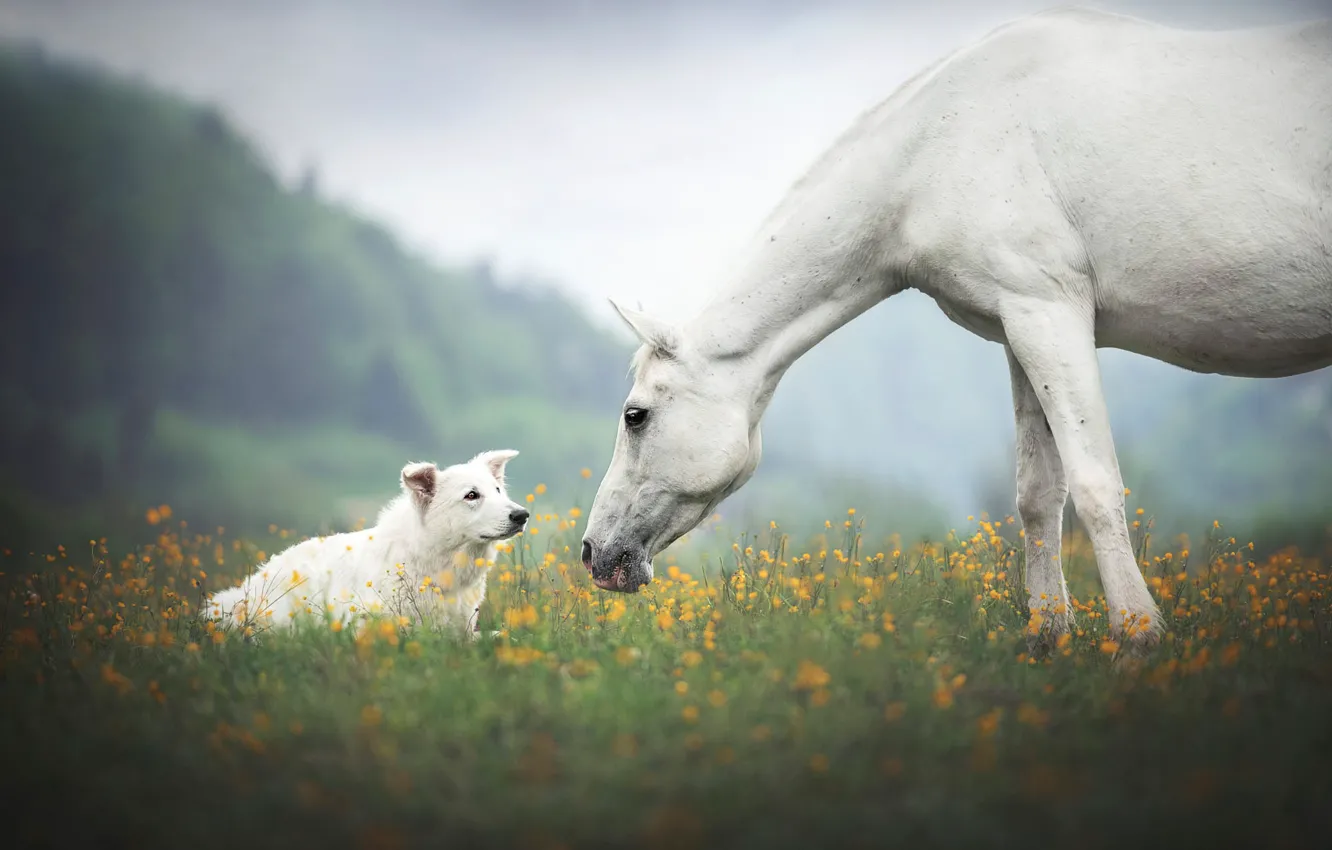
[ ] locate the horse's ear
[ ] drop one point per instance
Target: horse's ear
(659, 335)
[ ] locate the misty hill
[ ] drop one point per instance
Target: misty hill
(177, 325)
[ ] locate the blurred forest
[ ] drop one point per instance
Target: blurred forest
(179, 327)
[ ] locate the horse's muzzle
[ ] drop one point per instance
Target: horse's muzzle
(621, 569)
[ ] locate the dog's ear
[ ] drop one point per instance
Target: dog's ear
(419, 480)
(652, 332)
(495, 462)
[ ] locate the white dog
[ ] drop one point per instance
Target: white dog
(426, 558)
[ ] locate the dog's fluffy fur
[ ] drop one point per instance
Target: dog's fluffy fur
(426, 558)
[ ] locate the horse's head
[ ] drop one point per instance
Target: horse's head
(688, 438)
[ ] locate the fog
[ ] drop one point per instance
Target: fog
(612, 149)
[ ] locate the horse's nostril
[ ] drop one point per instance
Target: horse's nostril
(587, 554)
(518, 516)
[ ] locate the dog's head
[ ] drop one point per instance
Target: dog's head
(465, 502)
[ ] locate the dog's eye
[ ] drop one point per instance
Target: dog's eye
(471, 496)
(635, 416)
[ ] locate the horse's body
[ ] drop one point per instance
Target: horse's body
(1074, 180)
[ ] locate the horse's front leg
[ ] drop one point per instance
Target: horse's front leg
(1054, 343)
(1041, 493)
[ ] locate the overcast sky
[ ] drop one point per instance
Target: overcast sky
(624, 149)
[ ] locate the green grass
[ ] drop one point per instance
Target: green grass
(887, 701)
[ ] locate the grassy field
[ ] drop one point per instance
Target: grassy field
(841, 691)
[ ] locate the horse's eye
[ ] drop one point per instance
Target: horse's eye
(471, 496)
(635, 416)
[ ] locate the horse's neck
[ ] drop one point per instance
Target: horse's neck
(786, 298)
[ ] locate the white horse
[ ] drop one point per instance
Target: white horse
(1074, 180)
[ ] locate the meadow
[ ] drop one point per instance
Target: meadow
(845, 689)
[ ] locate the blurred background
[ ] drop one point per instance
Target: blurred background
(254, 256)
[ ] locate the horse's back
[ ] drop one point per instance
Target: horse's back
(1185, 175)
(1079, 79)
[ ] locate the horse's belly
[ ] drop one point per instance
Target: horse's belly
(1259, 337)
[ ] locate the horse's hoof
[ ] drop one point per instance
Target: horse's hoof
(1047, 639)
(1136, 646)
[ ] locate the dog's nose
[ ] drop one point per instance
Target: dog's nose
(519, 516)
